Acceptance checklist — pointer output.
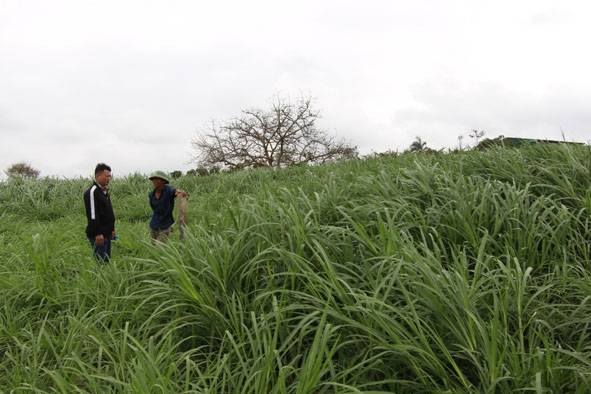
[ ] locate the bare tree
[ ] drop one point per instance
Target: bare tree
(477, 135)
(22, 170)
(285, 135)
(460, 140)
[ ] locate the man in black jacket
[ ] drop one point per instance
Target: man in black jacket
(99, 213)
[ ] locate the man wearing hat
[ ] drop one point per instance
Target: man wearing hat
(162, 204)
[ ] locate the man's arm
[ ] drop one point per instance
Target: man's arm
(94, 223)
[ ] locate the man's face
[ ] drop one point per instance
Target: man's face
(103, 178)
(158, 183)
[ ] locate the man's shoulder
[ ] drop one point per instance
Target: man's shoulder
(90, 189)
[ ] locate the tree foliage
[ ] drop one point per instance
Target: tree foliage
(285, 135)
(176, 174)
(418, 145)
(22, 170)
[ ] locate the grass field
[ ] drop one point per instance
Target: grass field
(466, 272)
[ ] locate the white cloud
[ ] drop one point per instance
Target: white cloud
(130, 82)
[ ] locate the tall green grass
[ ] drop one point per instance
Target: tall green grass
(459, 273)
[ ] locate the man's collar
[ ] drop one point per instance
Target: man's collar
(103, 188)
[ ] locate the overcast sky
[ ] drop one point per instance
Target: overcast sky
(132, 82)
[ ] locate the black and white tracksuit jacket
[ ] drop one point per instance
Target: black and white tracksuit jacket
(99, 212)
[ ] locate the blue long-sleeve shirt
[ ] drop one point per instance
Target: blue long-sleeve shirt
(162, 207)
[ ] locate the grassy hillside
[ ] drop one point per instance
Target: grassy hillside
(460, 273)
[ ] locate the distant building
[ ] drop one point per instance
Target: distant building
(514, 142)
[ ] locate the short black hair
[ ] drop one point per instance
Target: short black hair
(100, 167)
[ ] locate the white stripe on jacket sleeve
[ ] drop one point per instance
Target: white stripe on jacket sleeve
(92, 205)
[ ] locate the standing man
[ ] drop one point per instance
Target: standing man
(99, 213)
(162, 204)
